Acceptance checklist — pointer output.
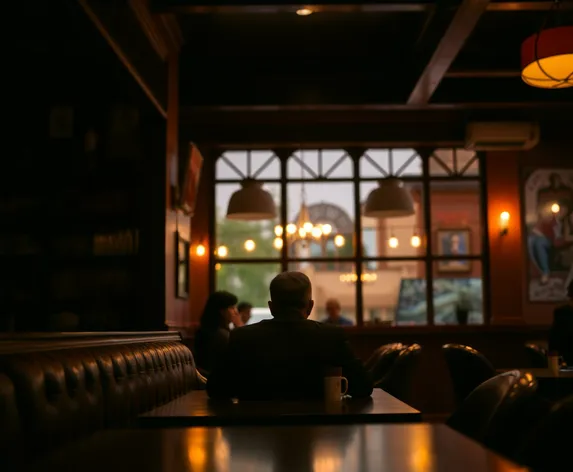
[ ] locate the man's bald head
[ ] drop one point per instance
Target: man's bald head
(291, 292)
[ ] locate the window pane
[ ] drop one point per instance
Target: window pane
(394, 237)
(375, 163)
(395, 293)
(467, 162)
(406, 163)
(231, 165)
(249, 282)
(244, 239)
(330, 209)
(331, 281)
(442, 162)
(336, 163)
(458, 295)
(456, 223)
(303, 164)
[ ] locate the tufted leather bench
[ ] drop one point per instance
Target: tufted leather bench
(53, 389)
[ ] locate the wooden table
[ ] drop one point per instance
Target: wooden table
(352, 448)
(545, 373)
(195, 409)
(551, 386)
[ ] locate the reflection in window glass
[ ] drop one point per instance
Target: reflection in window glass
(329, 207)
(331, 281)
(394, 237)
(458, 293)
(249, 282)
(394, 293)
(244, 239)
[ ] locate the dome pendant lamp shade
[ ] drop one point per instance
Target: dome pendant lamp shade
(390, 200)
(251, 203)
(547, 58)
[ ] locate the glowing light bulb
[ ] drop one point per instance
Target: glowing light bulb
(250, 245)
(416, 241)
(302, 232)
(339, 240)
(278, 243)
(504, 216)
(316, 232)
(278, 231)
(217, 266)
(304, 11)
(200, 250)
(222, 251)
(555, 208)
(326, 229)
(308, 227)
(291, 228)
(393, 242)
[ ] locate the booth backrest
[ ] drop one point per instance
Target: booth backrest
(53, 390)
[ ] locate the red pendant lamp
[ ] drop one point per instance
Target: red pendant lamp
(547, 58)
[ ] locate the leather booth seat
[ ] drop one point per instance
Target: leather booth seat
(67, 389)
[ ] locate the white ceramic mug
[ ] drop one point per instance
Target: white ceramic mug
(333, 390)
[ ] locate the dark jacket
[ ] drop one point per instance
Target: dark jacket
(561, 333)
(285, 358)
(209, 346)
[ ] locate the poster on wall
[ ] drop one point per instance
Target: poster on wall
(548, 208)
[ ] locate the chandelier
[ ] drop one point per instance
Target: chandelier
(304, 231)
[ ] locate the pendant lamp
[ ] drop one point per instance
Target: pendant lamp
(390, 200)
(251, 202)
(547, 58)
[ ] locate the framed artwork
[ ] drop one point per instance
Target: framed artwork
(190, 176)
(181, 266)
(547, 200)
(454, 242)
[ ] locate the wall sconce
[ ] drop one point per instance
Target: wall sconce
(503, 223)
(200, 250)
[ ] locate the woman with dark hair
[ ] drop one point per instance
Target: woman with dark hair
(561, 333)
(213, 334)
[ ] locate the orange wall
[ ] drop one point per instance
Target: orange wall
(508, 269)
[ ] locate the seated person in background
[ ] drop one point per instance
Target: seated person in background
(286, 357)
(244, 309)
(333, 310)
(561, 332)
(213, 333)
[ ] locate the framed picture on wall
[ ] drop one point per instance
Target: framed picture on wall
(548, 232)
(181, 266)
(454, 242)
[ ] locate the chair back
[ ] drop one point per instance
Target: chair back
(536, 356)
(548, 447)
(382, 360)
(497, 395)
(468, 369)
(399, 379)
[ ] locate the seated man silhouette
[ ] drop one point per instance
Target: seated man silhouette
(286, 357)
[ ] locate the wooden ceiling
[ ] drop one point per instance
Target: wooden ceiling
(409, 52)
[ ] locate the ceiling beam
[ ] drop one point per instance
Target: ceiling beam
(528, 6)
(120, 27)
(277, 6)
(462, 25)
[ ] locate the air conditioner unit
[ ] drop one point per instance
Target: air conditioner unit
(501, 136)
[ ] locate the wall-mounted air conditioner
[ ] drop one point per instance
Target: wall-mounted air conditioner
(501, 136)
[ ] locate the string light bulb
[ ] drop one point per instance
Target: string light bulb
(250, 245)
(278, 243)
(222, 251)
(200, 250)
(339, 240)
(415, 241)
(393, 242)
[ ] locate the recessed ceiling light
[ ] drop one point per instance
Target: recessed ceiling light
(304, 12)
